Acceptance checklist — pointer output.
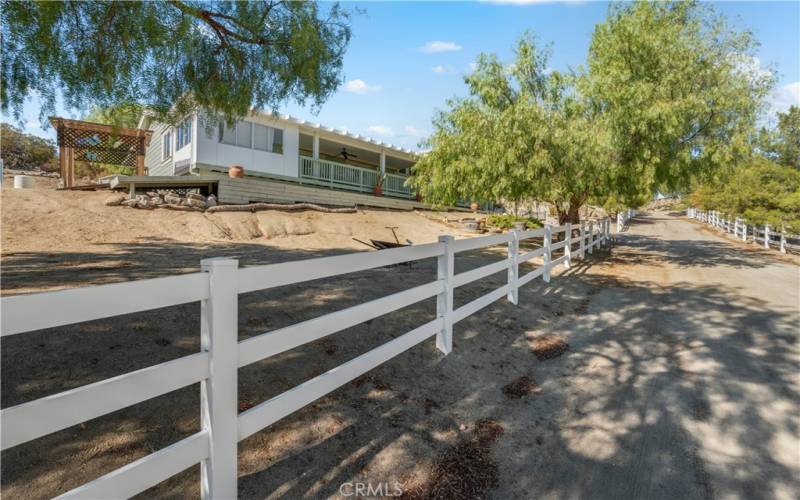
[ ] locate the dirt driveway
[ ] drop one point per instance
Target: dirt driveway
(681, 381)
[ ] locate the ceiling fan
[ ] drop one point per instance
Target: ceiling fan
(344, 154)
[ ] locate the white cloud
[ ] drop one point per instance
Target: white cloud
(785, 96)
(381, 130)
(32, 125)
(359, 86)
(442, 69)
(414, 131)
(439, 46)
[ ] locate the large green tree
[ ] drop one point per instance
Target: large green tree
(173, 56)
(680, 91)
(783, 143)
(522, 134)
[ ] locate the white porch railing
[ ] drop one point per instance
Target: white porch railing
(339, 175)
(216, 366)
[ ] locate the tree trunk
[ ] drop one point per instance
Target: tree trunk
(571, 214)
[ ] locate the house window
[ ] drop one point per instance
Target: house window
(252, 135)
(268, 139)
(227, 135)
(244, 134)
(166, 146)
(277, 141)
(183, 133)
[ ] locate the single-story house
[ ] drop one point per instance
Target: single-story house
(279, 148)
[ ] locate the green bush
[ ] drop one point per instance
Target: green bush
(506, 221)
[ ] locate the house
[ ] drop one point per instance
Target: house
(302, 160)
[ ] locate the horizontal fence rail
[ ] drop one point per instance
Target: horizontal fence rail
(216, 366)
(764, 235)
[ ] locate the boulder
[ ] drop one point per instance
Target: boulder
(115, 200)
(211, 201)
(130, 203)
(144, 204)
(193, 202)
(172, 199)
(195, 196)
(156, 200)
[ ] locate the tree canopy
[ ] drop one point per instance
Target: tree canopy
(23, 151)
(670, 93)
(173, 56)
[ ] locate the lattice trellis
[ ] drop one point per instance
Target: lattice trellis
(98, 143)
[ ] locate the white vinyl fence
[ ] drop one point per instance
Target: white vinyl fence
(216, 366)
(763, 235)
(623, 218)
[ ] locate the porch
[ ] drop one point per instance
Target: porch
(341, 165)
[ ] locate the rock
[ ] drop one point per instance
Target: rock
(130, 203)
(152, 194)
(156, 200)
(193, 202)
(196, 197)
(144, 204)
(115, 200)
(211, 201)
(172, 199)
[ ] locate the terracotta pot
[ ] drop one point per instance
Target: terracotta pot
(474, 206)
(236, 171)
(377, 191)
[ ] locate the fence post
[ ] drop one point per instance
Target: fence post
(513, 267)
(620, 223)
(547, 256)
(766, 235)
(783, 240)
(444, 301)
(568, 246)
(744, 231)
(607, 232)
(582, 250)
(219, 400)
(590, 243)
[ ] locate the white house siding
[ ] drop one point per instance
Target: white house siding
(212, 152)
(152, 157)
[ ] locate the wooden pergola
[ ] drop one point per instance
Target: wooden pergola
(97, 143)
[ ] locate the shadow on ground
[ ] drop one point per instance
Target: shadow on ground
(666, 391)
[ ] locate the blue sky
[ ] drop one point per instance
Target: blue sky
(407, 58)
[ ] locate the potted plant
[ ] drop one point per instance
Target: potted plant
(377, 190)
(474, 206)
(236, 171)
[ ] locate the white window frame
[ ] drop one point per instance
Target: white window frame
(184, 130)
(234, 132)
(166, 140)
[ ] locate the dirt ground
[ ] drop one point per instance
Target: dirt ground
(680, 380)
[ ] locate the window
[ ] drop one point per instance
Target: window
(268, 139)
(244, 136)
(261, 137)
(166, 146)
(183, 134)
(227, 135)
(277, 141)
(252, 135)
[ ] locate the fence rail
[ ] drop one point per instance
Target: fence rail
(765, 235)
(216, 366)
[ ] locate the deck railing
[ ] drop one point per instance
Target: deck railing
(352, 178)
(217, 364)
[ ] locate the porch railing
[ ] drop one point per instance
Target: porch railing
(339, 175)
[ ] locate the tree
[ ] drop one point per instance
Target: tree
(523, 133)
(23, 151)
(679, 89)
(173, 56)
(124, 115)
(759, 190)
(783, 143)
